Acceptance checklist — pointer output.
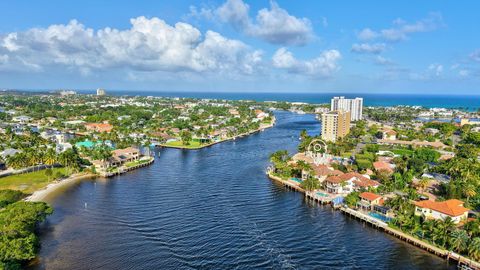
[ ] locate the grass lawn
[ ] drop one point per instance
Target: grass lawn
(135, 163)
(29, 182)
(192, 145)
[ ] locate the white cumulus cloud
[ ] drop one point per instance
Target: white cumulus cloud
(274, 25)
(401, 29)
(324, 65)
(150, 44)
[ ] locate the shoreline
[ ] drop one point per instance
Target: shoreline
(221, 141)
(442, 253)
(40, 195)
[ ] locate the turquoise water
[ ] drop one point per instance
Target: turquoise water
(379, 216)
(468, 102)
(321, 194)
(298, 180)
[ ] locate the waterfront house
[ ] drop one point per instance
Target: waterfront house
(349, 182)
(127, 154)
(368, 200)
(441, 210)
(320, 172)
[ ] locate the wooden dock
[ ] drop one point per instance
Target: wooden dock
(313, 195)
(122, 170)
(463, 262)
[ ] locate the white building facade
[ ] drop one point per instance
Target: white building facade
(354, 106)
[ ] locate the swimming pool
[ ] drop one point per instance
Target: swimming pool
(298, 180)
(379, 216)
(321, 194)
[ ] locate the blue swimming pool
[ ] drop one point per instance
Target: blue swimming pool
(298, 180)
(321, 194)
(379, 216)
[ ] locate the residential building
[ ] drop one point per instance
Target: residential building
(441, 210)
(22, 119)
(368, 200)
(354, 106)
(335, 125)
(349, 182)
(101, 92)
(127, 154)
(99, 127)
(389, 134)
(383, 166)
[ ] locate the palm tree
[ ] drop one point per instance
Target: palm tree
(427, 227)
(459, 240)
(472, 228)
(50, 157)
(441, 233)
(469, 191)
(474, 248)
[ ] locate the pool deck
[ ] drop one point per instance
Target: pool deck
(463, 262)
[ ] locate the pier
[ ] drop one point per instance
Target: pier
(124, 169)
(462, 262)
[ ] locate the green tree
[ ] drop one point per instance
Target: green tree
(186, 137)
(352, 199)
(8, 196)
(18, 241)
(459, 240)
(474, 248)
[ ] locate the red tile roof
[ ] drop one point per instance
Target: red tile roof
(452, 208)
(380, 165)
(324, 170)
(369, 196)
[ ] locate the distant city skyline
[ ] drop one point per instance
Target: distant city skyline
(234, 45)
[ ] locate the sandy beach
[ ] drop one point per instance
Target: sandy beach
(41, 195)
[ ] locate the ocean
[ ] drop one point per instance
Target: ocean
(465, 102)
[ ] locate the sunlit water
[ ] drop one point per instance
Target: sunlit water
(214, 209)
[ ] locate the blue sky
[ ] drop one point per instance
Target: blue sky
(235, 45)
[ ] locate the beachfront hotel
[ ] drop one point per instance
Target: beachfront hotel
(354, 106)
(335, 124)
(101, 92)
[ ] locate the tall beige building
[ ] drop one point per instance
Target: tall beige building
(335, 124)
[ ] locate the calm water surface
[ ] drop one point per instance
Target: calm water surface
(214, 209)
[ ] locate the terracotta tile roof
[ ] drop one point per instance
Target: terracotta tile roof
(99, 127)
(380, 165)
(334, 179)
(366, 183)
(452, 208)
(369, 196)
(125, 151)
(324, 170)
(302, 156)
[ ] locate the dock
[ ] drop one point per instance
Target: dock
(463, 263)
(123, 170)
